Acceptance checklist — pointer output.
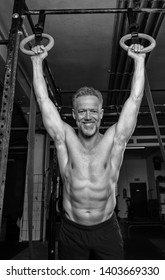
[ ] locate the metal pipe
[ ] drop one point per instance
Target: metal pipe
(25, 129)
(109, 90)
(18, 148)
(93, 11)
(18, 129)
(67, 115)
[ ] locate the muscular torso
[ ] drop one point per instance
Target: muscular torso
(89, 180)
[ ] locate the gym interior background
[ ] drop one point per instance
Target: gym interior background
(86, 52)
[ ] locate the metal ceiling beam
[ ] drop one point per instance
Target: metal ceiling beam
(110, 90)
(15, 129)
(94, 11)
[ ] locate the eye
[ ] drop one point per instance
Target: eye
(81, 111)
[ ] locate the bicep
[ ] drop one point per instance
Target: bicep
(117, 153)
(66, 147)
(127, 120)
(123, 130)
(115, 150)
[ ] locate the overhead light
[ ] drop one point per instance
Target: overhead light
(134, 147)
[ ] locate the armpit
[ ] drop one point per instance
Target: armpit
(120, 142)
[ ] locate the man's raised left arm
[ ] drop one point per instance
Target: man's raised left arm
(128, 117)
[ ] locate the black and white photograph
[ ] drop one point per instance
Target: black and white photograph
(82, 137)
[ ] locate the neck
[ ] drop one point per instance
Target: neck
(90, 142)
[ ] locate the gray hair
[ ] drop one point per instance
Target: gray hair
(84, 91)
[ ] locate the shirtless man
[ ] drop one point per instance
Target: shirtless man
(89, 162)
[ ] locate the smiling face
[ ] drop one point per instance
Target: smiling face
(88, 113)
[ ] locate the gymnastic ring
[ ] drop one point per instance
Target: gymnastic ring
(32, 37)
(140, 35)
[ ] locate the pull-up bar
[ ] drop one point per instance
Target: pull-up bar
(95, 11)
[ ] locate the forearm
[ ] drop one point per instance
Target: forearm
(39, 84)
(138, 80)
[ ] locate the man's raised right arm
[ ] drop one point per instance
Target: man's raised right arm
(50, 115)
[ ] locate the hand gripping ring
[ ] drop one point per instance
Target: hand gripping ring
(140, 35)
(32, 37)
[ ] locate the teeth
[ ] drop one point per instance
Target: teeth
(88, 124)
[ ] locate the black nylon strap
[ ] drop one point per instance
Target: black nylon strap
(39, 27)
(133, 26)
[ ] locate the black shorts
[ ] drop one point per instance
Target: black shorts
(79, 242)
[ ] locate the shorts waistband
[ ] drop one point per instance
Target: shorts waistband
(90, 227)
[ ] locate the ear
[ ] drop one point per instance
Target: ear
(73, 114)
(102, 113)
